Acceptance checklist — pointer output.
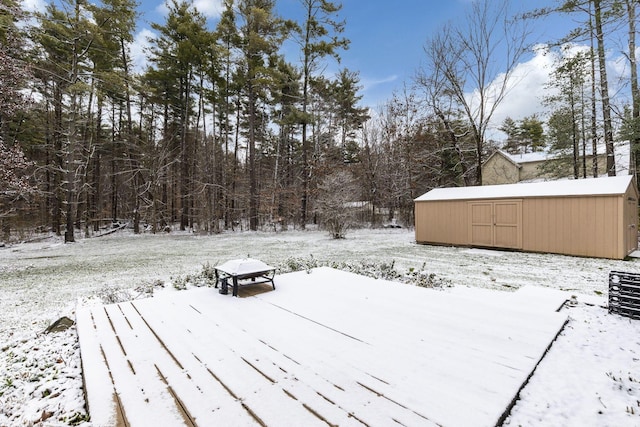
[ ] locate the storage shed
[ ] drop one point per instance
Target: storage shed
(595, 217)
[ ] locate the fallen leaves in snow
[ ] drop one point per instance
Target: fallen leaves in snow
(41, 381)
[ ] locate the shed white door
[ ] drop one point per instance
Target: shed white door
(496, 223)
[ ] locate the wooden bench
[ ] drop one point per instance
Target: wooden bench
(243, 272)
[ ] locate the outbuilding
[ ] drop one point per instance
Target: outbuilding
(595, 217)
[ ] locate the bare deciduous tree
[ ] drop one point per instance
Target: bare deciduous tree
(471, 64)
(336, 194)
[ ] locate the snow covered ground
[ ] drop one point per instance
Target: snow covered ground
(591, 375)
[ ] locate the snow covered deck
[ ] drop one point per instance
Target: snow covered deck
(327, 347)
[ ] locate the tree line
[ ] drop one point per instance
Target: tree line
(223, 131)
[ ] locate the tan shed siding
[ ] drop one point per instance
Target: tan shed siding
(441, 222)
(612, 221)
(631, 220)
(532, 219)
(571, 221)
(543, 225)
(591, 218)
(584, 226)
(576, 243)
(601, 225)
(620, 231)
(585, 242)
(420, 220)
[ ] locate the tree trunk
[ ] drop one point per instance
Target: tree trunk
(234, 178)
(306, 71)
(96, 195)
(253, 187)
(604, 90)
(133, 154)
(185, 158)
(114, 174)
(72, 135)
(58, 159)
(634, 158)
(594, 121)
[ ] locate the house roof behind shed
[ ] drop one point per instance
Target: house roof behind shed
(574, 187)
(537, 156)
(621, 150)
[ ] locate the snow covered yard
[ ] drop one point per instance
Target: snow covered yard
(590, 376)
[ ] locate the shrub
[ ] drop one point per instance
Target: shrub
(382, 270)
(335, 196)
(206, 277)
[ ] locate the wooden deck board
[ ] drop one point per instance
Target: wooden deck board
(305, 356)
(202, 396)
(239, 359)
(232, 358)
(97, 381)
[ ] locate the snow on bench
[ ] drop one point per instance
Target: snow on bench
(243, 272)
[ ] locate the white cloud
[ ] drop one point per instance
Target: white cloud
(33, 5)
(527, 88)
(620, 66)
(162, 8)
(369, 83)
(375, 91)
(529, 85)
(138, 49)
(209, 8)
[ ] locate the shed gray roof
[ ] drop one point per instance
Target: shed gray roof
(574, 187)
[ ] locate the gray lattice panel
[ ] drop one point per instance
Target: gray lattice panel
(624, 294)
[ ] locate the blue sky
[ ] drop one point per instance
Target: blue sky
(387, 38)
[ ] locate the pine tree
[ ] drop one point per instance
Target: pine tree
(533, 128)
(285, 152)
(117, 18)
(571, 82)
(228, 38)
(262, 35)
(349, 115)
(604, 88)
(598, 14)
(177, 52)
(65, 39)
(634, 137)
(511, 129)
(320, 36)
(531, 133)
(15, 169)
